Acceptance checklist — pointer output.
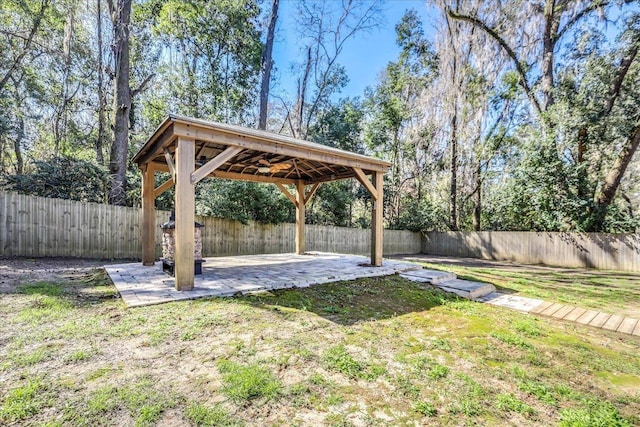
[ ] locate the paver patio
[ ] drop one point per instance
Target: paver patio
(226, 276)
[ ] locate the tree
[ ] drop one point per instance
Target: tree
(31, 12)
(211, 64)
(339, 203)
(120, 13)
(555, 20)
(325, 28)
(266, 65)
(394, 130)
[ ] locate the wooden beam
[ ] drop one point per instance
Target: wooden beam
(329, 178)
(287, 193)
(377, 210)
(148, 215)
(300, 219)
(163, 187)
(254, 178)
(312, 192)
(215, 163)
(277, 145)
(366, 183)
(238, 176)
(185, 214)
(170, 165)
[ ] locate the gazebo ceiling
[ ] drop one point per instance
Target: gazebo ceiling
(254, 155)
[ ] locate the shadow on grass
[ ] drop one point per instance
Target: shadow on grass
(355, 301)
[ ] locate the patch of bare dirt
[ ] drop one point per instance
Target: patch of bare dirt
(16, 271)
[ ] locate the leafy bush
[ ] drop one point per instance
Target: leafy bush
(63, 178)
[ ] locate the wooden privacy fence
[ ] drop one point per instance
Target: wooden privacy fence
(592, 250)
(43, 227)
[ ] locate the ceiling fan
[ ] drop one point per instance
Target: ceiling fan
(268, 167)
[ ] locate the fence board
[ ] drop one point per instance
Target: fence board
(591, 250)
(37, 226)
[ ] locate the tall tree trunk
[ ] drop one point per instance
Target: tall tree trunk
(101, 95)
(477, 198)
(612, 181)
(548, 46)
(60, 123)
(267, 63)
(17, 142)
(302, 92)
(453, 189)
(120, 16)
(17, 146)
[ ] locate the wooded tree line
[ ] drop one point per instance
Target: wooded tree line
(516, 115)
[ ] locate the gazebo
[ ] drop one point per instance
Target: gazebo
(191, 150)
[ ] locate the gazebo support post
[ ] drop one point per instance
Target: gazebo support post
(185, 216)
(300, 205)
(148, 214)
(377, 220)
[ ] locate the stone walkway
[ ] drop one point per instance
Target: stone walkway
(226, 276)
(486, 293)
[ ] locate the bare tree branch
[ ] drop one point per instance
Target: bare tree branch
(596, 4)
(510, 52)
(625, 64)
(142, 85)
(27, 44)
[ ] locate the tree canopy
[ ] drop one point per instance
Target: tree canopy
(513, 115)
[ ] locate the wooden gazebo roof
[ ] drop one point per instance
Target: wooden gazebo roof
(253, 151)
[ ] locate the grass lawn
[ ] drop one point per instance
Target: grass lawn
(369, 352)
(616, 292)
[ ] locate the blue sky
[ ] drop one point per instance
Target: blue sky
(364, 57)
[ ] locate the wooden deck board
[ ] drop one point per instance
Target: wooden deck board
(599, 320)
(539, 309)
(574, 314)
(613, 323)
(587, 317)
(627, 325)
(562, 313)
(552, 309)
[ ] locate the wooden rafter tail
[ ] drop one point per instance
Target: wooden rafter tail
(367, 184)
